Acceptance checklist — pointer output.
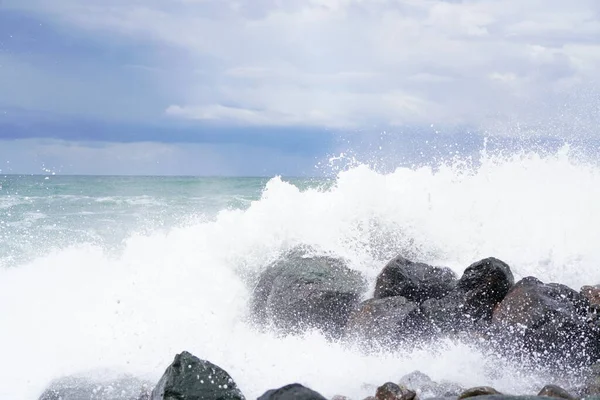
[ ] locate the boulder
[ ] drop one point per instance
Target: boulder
(556, 391)
(124, 387)
(478, 391)
(386, 321)
(295, 391)
(426, 388)
(391, 391)
(303, 292)
(191, 378)
(483, 285)
(415, 281)
(547, 322)
(470, 305)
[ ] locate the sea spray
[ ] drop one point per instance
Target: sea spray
(82, 308)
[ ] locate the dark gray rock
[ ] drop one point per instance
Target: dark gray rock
(190, 378)
(302, 292)
(483, 285)
(470, 305)
(386, 321)
(415, 281)
(547, 322)
(123, 387)
(478, 391)
(391, 391)
(556, 391)
(294, 391)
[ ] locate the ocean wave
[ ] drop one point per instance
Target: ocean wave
(81, 307)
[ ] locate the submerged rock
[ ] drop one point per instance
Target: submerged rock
(391, 391)
(294, 391)
(191, 378)
(556, 391)
(547, 322)
(415, 281)
(123, 387)
(386, 321)
(482, 286)
(478, 391)
(426, 388)
(304, 292)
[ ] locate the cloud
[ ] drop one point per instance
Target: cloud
(356, 63)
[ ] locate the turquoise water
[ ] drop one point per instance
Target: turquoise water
(43, 213)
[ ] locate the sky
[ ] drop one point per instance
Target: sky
(265, 87)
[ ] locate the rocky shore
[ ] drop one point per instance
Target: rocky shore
(537, 325)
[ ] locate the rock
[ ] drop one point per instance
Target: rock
(592, 382)
(483, 285)
(391, 391)
(386, 321)
(340, 397)
(508, 397)
(470, 305)
(191, 378)
(122, 387)
(592, 293)
(426, 388)
(556, 391)
(295, 391)
(547, 322)
(478, 391)
(415, 281)
(303, 292)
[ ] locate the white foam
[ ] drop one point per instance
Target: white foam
(79, 309)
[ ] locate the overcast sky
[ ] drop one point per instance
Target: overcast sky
(259, 87)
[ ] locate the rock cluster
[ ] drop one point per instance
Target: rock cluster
(550, 324)
(413, 303)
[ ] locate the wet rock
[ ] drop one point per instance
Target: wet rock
(386, 321)
(555, 391)
(391, 391)
(303, 292)
(191, 378)
(592, 382)
(426, 388)
(478, 391)
(123, 387)
(483, 285)
(470, 305)
(295, 391)
(592, 293)
(415, 281)
(547, 322)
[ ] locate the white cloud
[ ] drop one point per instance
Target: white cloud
(358, 62)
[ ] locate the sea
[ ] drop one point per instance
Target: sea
(104, 275)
